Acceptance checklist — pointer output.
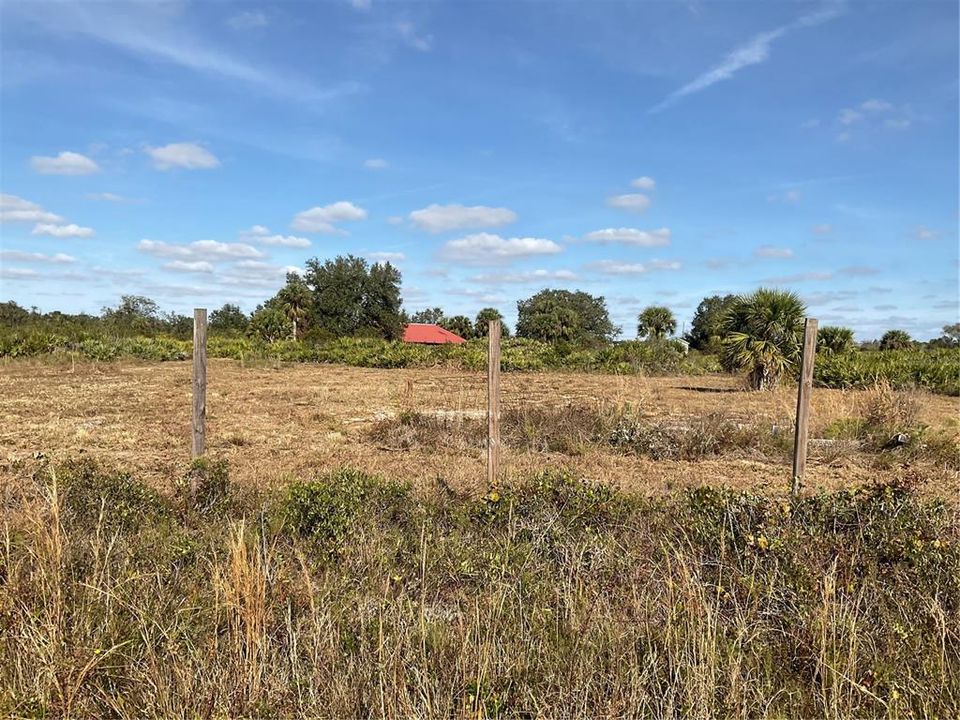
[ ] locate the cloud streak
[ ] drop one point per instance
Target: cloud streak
(754, 52)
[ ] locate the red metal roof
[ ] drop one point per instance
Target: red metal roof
(429, 334)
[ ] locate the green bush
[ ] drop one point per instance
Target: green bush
(937, 370)
(328, 510)
(205, 488)
(92, 495)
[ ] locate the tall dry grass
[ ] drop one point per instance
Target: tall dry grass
(346, 596)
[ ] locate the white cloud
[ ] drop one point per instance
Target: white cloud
(875, 105)
(293, 241)
(858, 270)
(187, 155)
(753, 52)
(66, 163)
(848, 116)
(190, 266)
(408, 32)
(644, 183)
(255, 231)
(631, 236)
(159, 32)
(822, 229)
(531, 276)
(441, 218)
(199, 250)
(18, 256)
(771, 251)
(15, 273)
(375, 164)
(490, 249)
(248, 20)
(613, 267)
(16, 209)
(632, 202)
(320, 219)
(390, 257)
(109, 197)
(62, 231)
(791, 197)
(262, 235)
(924, 233)
(257, 273)
(872, 107)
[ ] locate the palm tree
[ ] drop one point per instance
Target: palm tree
(832, 340)
(656, 322)
(895, 340)
(295, 300)
(763, 335)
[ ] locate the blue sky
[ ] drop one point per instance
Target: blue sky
(648, 152)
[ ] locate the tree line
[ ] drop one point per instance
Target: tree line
(348, 297)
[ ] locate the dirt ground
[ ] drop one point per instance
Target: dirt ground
(300, 420)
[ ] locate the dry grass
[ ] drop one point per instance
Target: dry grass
(555, 599)
(276, 423)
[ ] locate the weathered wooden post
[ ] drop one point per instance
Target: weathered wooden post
(493, 403)
(199, 380)
(803, 403)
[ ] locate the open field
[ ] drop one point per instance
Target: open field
(630, 584)
(273, 423)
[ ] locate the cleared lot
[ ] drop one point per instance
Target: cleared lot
(274, 423)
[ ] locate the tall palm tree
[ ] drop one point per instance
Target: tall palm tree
(656, 322)
(295, 300)
(763, 335)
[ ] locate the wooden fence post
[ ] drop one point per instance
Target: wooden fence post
(803, 403)
(199, 379)
(493, 403)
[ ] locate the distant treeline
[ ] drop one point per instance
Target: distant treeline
(313, 314)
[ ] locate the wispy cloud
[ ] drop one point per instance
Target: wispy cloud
(154, 32)
(754, 52)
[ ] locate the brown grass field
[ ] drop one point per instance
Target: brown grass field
(274, 423)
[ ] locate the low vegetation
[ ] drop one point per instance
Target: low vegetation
(662, 358)
(347, 595)
(883, 415)
(937, 370)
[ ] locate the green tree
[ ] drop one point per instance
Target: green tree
(12, 314)
(135, 315)
(481, 325)
(269, 323)
(833, 340)
(352, 298)
(180, 326)
(229, 318)
(429, 316)
(950, 337)
(706, 329)
(459, 325)
(763, 333)
(295, 301)
(656, 322)
(553, 315)
(896, 340)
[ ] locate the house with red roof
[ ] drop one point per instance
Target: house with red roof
(429, 334)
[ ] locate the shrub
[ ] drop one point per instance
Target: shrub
(326, 511)
(92, 495)
(205, 487)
